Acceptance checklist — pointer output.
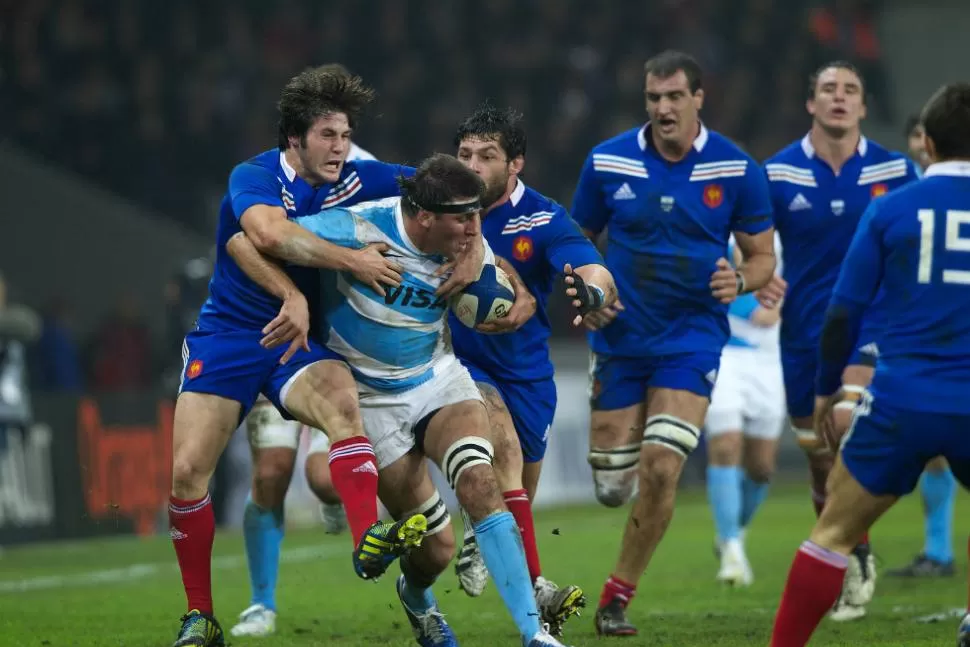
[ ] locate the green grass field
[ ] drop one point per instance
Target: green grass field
(127, 592)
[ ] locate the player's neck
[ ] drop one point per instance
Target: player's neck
(509, 189)
(674, 151)
(294, 161)
(834, 150)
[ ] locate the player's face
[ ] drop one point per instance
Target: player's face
(673, 109)
(326, 149)
(450, 233)
(486, 158)
(917, 146)
(838, 105)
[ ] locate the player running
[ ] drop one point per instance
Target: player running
(913, 244)
(670, 193)
(416, 398)
(513, 371)
(743, 424)
(820, 186)
(226, 368)
(938, 487)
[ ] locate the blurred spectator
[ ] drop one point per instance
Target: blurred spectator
(55, 364)
(19, 326)
(121, 351)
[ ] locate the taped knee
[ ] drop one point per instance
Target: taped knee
(614, 473)
(435, 511)
(672, 433)
(465, 454)
(809, 441)
(851, 395)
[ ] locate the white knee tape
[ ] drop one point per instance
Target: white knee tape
(614, 473)
(851, 394)
(435, 511)
(266, 428)
(673, 433)
(466, 453)
(809, 441)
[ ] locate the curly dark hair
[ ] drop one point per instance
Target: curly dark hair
(319, 91)
(490, 123)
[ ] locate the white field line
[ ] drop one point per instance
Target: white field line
(140, 571)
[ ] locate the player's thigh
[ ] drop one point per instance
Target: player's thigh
(617, 391)
(202, 426)
(798, 372)
(505, 440)
(725, 416)
(317, 388)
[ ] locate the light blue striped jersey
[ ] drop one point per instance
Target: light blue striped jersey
(392, 343)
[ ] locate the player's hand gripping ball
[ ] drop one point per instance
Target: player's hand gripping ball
(486, 299)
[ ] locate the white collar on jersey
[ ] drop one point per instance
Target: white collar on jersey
(399, 219)
(289, 170)
(699, 142)
(809, 150)
(952, 169)
(517, 192)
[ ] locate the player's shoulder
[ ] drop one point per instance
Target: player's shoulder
(529, 210)
(720, 148)
(875, 153)
(793, 153)
(265, 164)
(532, 200)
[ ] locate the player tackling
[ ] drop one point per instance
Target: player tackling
(820, 186)
(913, 245)
(669, 192)
(416, 398)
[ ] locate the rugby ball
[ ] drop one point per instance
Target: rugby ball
(487, 299)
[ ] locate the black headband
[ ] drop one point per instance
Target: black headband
(460, 207)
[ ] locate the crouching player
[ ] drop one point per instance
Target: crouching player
(416, 398)
(912, 243)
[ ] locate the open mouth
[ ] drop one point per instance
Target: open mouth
(839, 112)
(332, 166)
(666, 123)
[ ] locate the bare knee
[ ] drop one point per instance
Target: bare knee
(271, 476)
(190, 476)
(317, 471)
(478, 492)
(760, 471)
(613, 456)
(660, 470)
(725, 448)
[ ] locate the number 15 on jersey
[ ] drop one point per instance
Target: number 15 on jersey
(953, 242)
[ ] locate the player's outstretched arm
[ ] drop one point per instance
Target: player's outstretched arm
(520, 312)
(292, 324)
(274, 235)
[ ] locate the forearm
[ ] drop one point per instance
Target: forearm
(596, 275)
(266, 273)
(839, 335)
(294, 244)
(757, 269)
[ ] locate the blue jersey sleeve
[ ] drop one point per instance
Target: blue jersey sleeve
(589, 208)
(380, 178)
(752, 209)
(567, 244)
(913, 172)
(339, 226)
(250, 185)
(858, 283)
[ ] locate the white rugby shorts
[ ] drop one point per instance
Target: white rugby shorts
(749, 394)
(389, 418)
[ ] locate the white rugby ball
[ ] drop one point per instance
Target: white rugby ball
(487, 299)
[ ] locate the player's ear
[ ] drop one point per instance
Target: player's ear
(810, 106)
(516, 164)
(863, 110)
(699, 100)
(930, 147)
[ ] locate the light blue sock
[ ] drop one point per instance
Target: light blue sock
(938, 490)
(501, 546)
(417, 595)
(724, 495)
(753, 494)
(263, 530)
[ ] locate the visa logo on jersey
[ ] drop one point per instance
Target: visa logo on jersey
(412, 297)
